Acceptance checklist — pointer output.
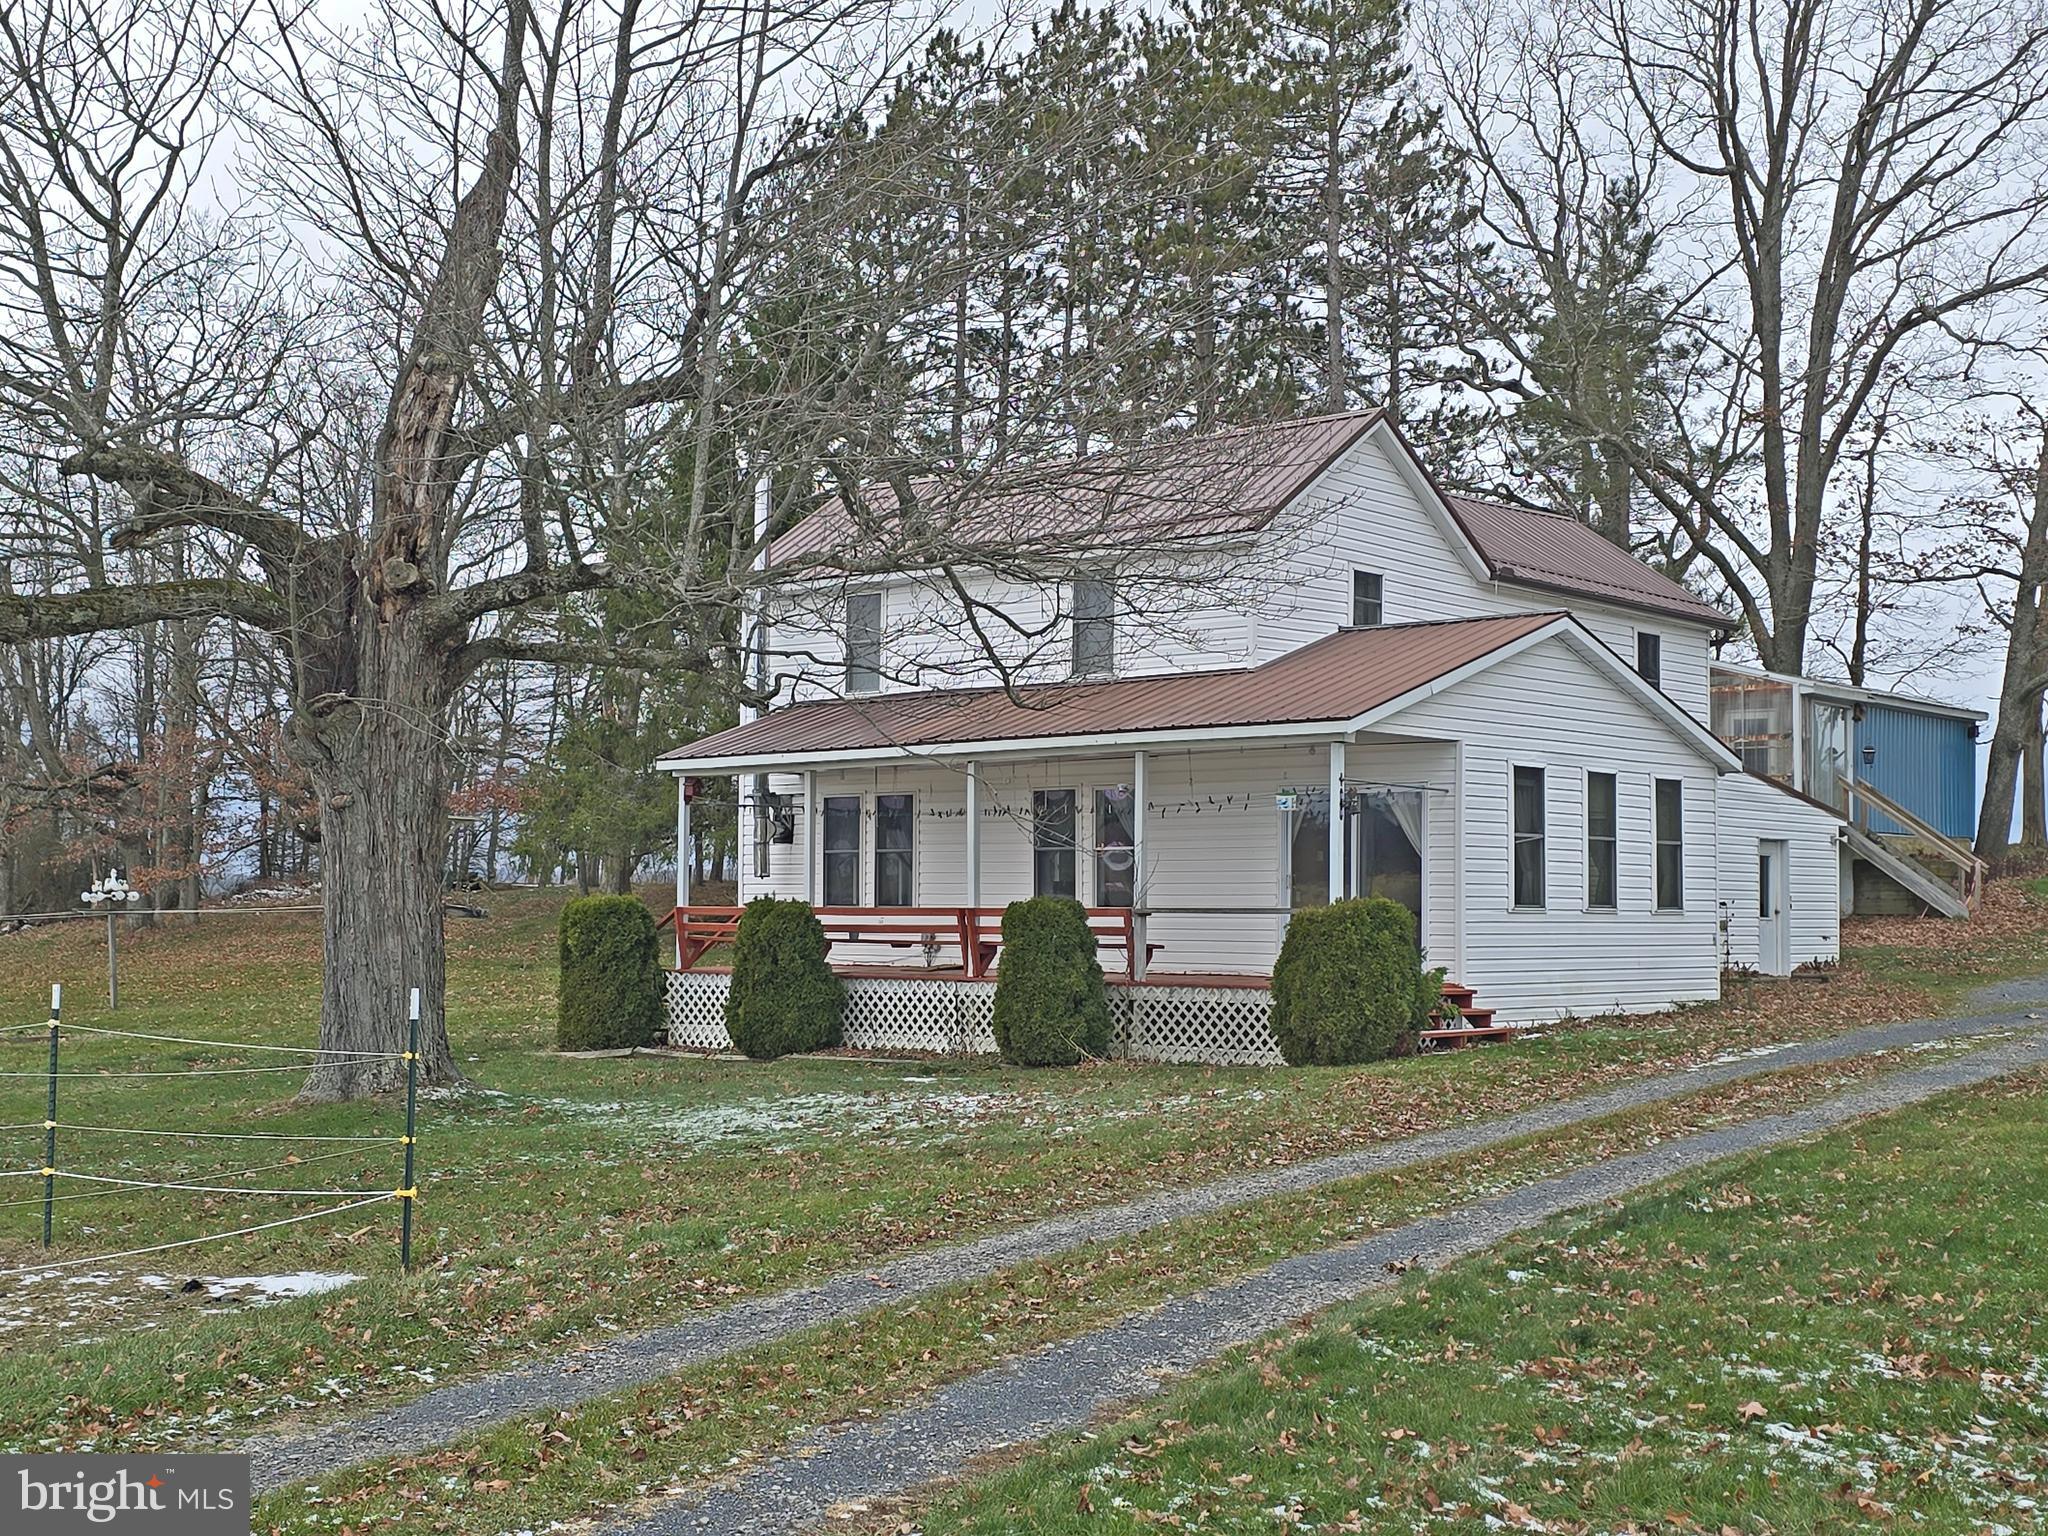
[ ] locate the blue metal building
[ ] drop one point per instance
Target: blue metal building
(1925, 760)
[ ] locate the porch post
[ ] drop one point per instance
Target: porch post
(808, 840)
(1336, 821)
(974, 834)
(1139, 869)
(682, 858)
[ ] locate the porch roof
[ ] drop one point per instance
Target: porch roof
(1329, 683)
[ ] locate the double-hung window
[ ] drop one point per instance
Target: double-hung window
(1094, 604)
(1116, 852)
(1368, 599)
(1052, 842)
(863, 642)
(1670, 845)
(895, 823)
(842, 851)
(1650, 658)
(1529, 837)
(1603, 837)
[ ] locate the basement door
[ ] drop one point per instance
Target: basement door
(1773, 921)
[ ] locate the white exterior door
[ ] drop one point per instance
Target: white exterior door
(1773, 923)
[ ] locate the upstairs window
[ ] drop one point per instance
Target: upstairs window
(1368, 588)
(1603, 835)
(1670, 845)
(1094, 604)
(863, 642)
(1650, 658)
(1529, 838)
(1052, 842)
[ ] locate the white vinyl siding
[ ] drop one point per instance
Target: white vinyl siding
(1568, 960)
(1364, 515)
(1749, 811)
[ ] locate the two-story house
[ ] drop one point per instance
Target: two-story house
(1342, 681)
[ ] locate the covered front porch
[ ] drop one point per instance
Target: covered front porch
(1189, 857)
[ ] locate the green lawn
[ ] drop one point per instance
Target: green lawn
(1844, 1335)
(566, 1196)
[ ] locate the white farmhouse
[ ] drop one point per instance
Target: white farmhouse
(1351, 683)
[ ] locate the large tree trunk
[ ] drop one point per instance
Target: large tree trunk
(2018, 731)
(378, 762)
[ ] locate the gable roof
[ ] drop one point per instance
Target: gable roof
(1329, 681)
(1230, 482)
(1234, 481)
(1550, 550)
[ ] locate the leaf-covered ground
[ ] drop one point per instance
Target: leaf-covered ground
(1841, 1336)
(562, 1198)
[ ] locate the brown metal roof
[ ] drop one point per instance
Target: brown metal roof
(1226, 482)
(1545, 549)
(1339, 677)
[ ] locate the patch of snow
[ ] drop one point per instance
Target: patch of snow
(262, 1289)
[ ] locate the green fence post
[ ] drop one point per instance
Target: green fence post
(409, 1195)
(50, 1117)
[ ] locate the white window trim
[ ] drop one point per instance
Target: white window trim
(1544, 769)
(1635, 662)
(1084, 836)
(875, 841)
(1351, 598)
(1586, 841)
(863, 876)
(1082, 839)
(881, 596)
(1657, 907)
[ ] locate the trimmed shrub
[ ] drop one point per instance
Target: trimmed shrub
(1051, 1006)
(784, 997)
(609, 994)
(1349, 985)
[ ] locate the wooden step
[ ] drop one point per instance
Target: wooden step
(1476, 1025)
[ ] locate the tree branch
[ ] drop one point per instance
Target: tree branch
(101, 608)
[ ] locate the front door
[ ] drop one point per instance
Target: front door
(1386, 842)
(1773, 923)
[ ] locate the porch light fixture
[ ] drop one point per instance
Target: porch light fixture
(1869, 753)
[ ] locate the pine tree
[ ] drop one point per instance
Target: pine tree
(1598, 358)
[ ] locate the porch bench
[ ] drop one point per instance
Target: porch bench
(925, 928)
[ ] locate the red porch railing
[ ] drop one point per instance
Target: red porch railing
(973, 934)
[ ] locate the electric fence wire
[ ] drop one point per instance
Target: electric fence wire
(189, 1242)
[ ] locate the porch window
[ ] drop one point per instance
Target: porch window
(894, 822)
(1368, 589)
(1094, 604)
(863, 642)
(1602, 841)
(842, 851)
(1670, 845)
(1650, 658)
(1529, 855)
(1116, 854)
(1052, 842)
(1308, 852)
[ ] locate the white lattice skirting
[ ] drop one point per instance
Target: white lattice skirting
(1217, 1026)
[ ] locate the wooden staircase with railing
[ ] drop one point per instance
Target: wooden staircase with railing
(1475, 1025)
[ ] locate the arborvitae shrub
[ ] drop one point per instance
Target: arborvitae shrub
(1349, 985)
(784, 997)
(610, 988)
(1052, 1009)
